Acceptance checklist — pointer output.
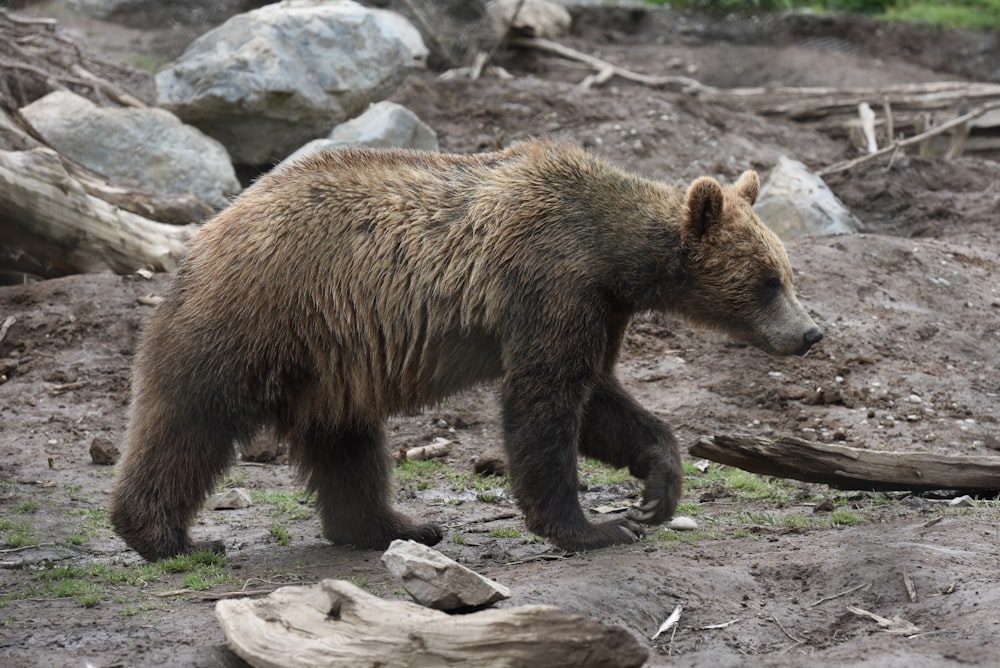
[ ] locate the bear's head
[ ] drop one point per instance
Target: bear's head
(737, 273)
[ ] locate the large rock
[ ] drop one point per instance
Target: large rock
(795, 202)
(144, 148)
(438, 582)
(266, 82)
(384, 125)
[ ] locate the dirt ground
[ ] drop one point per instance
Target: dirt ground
(911, 311)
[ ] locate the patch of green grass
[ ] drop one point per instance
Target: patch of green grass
(688, 508)
(26, 507)
(292, 505)
(458, 539)
(280, 533)
(17, 533)
(128, 612)
(845, 518)
(593, 472)
(969, 14)
(669, 535)
(506, 533)
(421, 473)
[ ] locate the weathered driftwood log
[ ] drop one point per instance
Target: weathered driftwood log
(335, 623)
(50, 225)
(851, 468)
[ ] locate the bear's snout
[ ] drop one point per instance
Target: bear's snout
(813, 336)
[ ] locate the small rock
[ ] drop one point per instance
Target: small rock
(824, 506)
(435, 581)
(914, 399)
(681, 523)
(230, 499)
(103, 451)
(962, 502)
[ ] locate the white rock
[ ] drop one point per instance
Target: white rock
(436, 581)
(230, 499)
(145, 148)
(795, 202)
(536, 18)
(962, 502)
(383, 125)
(681, 523)
(268, 81)
(914, 399)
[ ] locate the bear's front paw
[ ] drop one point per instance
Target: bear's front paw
(595, 536)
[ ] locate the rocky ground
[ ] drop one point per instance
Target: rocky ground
(911, 310)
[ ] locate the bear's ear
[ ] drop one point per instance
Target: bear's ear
(704, 205)
(748, 186)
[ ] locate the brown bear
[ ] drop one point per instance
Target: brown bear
(357, 284)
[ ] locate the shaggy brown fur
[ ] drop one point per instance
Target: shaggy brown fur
(357, 284)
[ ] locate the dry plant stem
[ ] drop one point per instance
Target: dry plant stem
(684, 83)
(839, 594)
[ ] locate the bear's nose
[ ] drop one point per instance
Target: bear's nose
(813, 336)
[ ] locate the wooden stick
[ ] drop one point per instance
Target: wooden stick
(944, 127)
(686, 84)
(851, 468)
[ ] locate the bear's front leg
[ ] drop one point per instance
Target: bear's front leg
(542, 415)
(618, 431)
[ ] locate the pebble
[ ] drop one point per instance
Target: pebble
(962, 502)
(681, 523)
(230, 499)
(914, 399)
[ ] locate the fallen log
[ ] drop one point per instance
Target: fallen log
(50, 225)
(334, 623)
(844, 467)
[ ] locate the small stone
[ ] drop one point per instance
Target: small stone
(914, 399)
(103, 451)
(435, 581)
(962, 502)
(681, 523)
(825, 506)
(230, 499)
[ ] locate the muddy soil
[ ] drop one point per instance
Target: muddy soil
(911, 310)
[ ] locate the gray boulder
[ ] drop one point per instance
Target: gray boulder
(435, 581)
(143, 148)
(385, 125)
(795, 202)
(265, 82)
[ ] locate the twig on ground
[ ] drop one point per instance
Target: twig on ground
(685, 84)
(25, 547)
(785, 631)
(843, 593)
(911, 589)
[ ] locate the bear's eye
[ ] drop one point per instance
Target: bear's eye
(770, 287)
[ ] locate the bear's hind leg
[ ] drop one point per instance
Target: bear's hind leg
(172, 460)
(618, 431)
(351, 473)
